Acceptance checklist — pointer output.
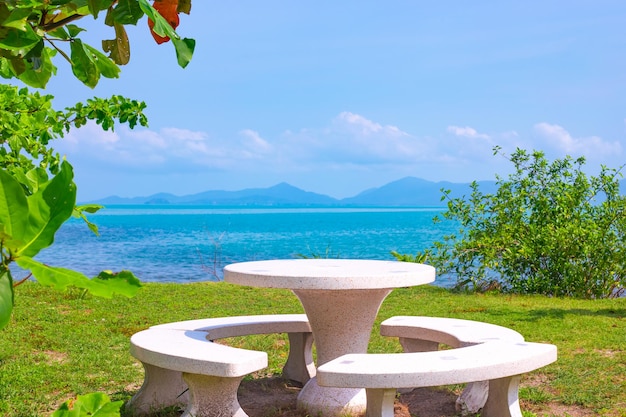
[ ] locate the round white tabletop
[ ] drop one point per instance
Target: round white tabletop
(329, 274)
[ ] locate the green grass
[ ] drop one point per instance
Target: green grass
(59, 345)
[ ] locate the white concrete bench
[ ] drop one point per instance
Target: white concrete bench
(423, 334)
(500, 362)
(299, 365)
(163, 348)
(211, 371)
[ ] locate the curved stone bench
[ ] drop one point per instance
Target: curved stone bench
(500, 362)
(211, 371)
(191, 343)
(299, 365)
(423, 334)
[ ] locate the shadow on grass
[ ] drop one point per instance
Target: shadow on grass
(560, 313)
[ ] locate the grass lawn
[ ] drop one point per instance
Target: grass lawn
(60, 344)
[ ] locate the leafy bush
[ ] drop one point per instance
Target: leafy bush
(548, 229)
(37, 189)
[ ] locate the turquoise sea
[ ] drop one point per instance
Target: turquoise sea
(194, 243)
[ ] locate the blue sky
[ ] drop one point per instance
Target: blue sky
(337, 97)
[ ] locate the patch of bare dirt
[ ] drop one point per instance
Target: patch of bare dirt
(269, 397)
(276, 397)
(426, 402)
(559, 410)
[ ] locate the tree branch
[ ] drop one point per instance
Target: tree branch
(58, 49)
(55, 25)
(23, 280)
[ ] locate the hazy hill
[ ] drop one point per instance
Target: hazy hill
(411, 191)
(405, 192)
(281, 194)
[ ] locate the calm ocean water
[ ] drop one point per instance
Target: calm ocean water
(184, 244)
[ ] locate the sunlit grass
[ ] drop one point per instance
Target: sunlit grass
(59, 345)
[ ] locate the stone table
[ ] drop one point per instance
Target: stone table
(341, 298)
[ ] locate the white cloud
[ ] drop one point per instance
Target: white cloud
(469, 147)
(562, 140)
(91, 135)
(359, 125)
(255, 141)
(148, 138)
(466, 132)
(349, 143)
(351, 140)
(137, 148)
(184, 135)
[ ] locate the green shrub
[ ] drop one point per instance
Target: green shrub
(548, 229)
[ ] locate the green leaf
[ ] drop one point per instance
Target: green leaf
(161, 26)
(96, 6)
(184, 50)
(4, 11)
(6, 298)
(96, 404)
(126, 12)
(13, 211)
(106, 67)
(119, 281)
(18, 19)
(19, 40)
(83, 66)
(18, 65)
(59, 33)
(99, 405)
(184, 47)
(49, 208)
(90, 208)
(36, 177)
(6, 70)
(73, 30)
(79, 212)
(39, 77)
(123, 283)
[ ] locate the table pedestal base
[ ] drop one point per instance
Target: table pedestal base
(326, 401)
(341, 321)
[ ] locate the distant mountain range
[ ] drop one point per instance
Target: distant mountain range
(406, 192)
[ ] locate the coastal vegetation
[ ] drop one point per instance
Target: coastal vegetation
(60, 344)
(37, 189)
(549, 228)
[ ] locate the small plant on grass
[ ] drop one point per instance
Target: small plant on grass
(95, 405)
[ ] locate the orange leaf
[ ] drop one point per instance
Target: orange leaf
(169, 10)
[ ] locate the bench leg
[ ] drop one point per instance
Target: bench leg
(380, 402)
(417, 345)
(503, 400)
(212, 396)
(473, 398)
(161, 388)
(299, 366)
